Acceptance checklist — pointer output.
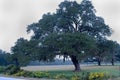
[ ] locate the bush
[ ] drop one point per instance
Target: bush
(41, 74)
(82, 76)
(24, 73)
(60, 77)
(75, 77)
(98, 76)
(90, 76)
(11, 69)
(2, 69)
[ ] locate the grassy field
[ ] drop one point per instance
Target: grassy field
(49, 68)
(68, 69)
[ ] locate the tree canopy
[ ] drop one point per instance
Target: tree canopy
(72, 30)
(19, 54)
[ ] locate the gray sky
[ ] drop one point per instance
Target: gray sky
(15, 15)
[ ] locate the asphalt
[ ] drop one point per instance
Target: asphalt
(7, 78)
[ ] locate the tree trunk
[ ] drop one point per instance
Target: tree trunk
(75, 63)
(99, 61)
(16, 62)
(112, 61)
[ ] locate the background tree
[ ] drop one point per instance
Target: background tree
(106, 50)
(117, 55)
(4, 58)
(113, 50)
(19, 54)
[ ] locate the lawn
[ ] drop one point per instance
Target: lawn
(67, 70)
(112, 70)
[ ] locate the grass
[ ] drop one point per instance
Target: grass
(111, 70)
(67, 70)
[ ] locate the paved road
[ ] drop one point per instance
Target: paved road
(6, 78)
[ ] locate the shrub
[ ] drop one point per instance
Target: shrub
(60, 77)
(75, 77)
(2, 69)
(82, 76)
(90, 76)
(24, 73)
(85, 75)
(98, 76)
(11, 69)
(41, 74)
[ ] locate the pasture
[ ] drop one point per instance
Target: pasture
(68, 70)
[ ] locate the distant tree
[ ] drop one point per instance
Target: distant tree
(113, 50)
(70, 22)
(117, 55)
(4, 58)
(19, 55)
(106, 49)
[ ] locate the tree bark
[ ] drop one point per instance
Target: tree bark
(16, 62)
(75, 62)
(99, 61)
(112, 61)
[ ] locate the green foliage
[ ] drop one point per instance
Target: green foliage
(69, 43)
(4, 58)
(96, 76)
(20, 56)
(91, 74)
(60, 77)
(67, 31)
(37, 74)
(75, 77)
(11, 69)
(106, 49)
(2, 69)
(108, 46)
(24, 73)
(41, 74)
(71, 31)
(81, 76)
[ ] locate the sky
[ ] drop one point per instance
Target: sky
(16, 15)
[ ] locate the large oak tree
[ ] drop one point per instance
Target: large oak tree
(71, 31)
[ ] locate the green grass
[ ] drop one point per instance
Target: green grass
(68, 74)
(65, 74)
(112, 71)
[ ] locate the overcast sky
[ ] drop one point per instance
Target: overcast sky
(15, 15)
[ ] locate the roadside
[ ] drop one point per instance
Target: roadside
(6, 77)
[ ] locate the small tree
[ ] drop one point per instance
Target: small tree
(4, 58)
(106, 48)
(19, 53)
(113, 49)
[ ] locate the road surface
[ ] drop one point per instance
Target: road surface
(6, 78)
